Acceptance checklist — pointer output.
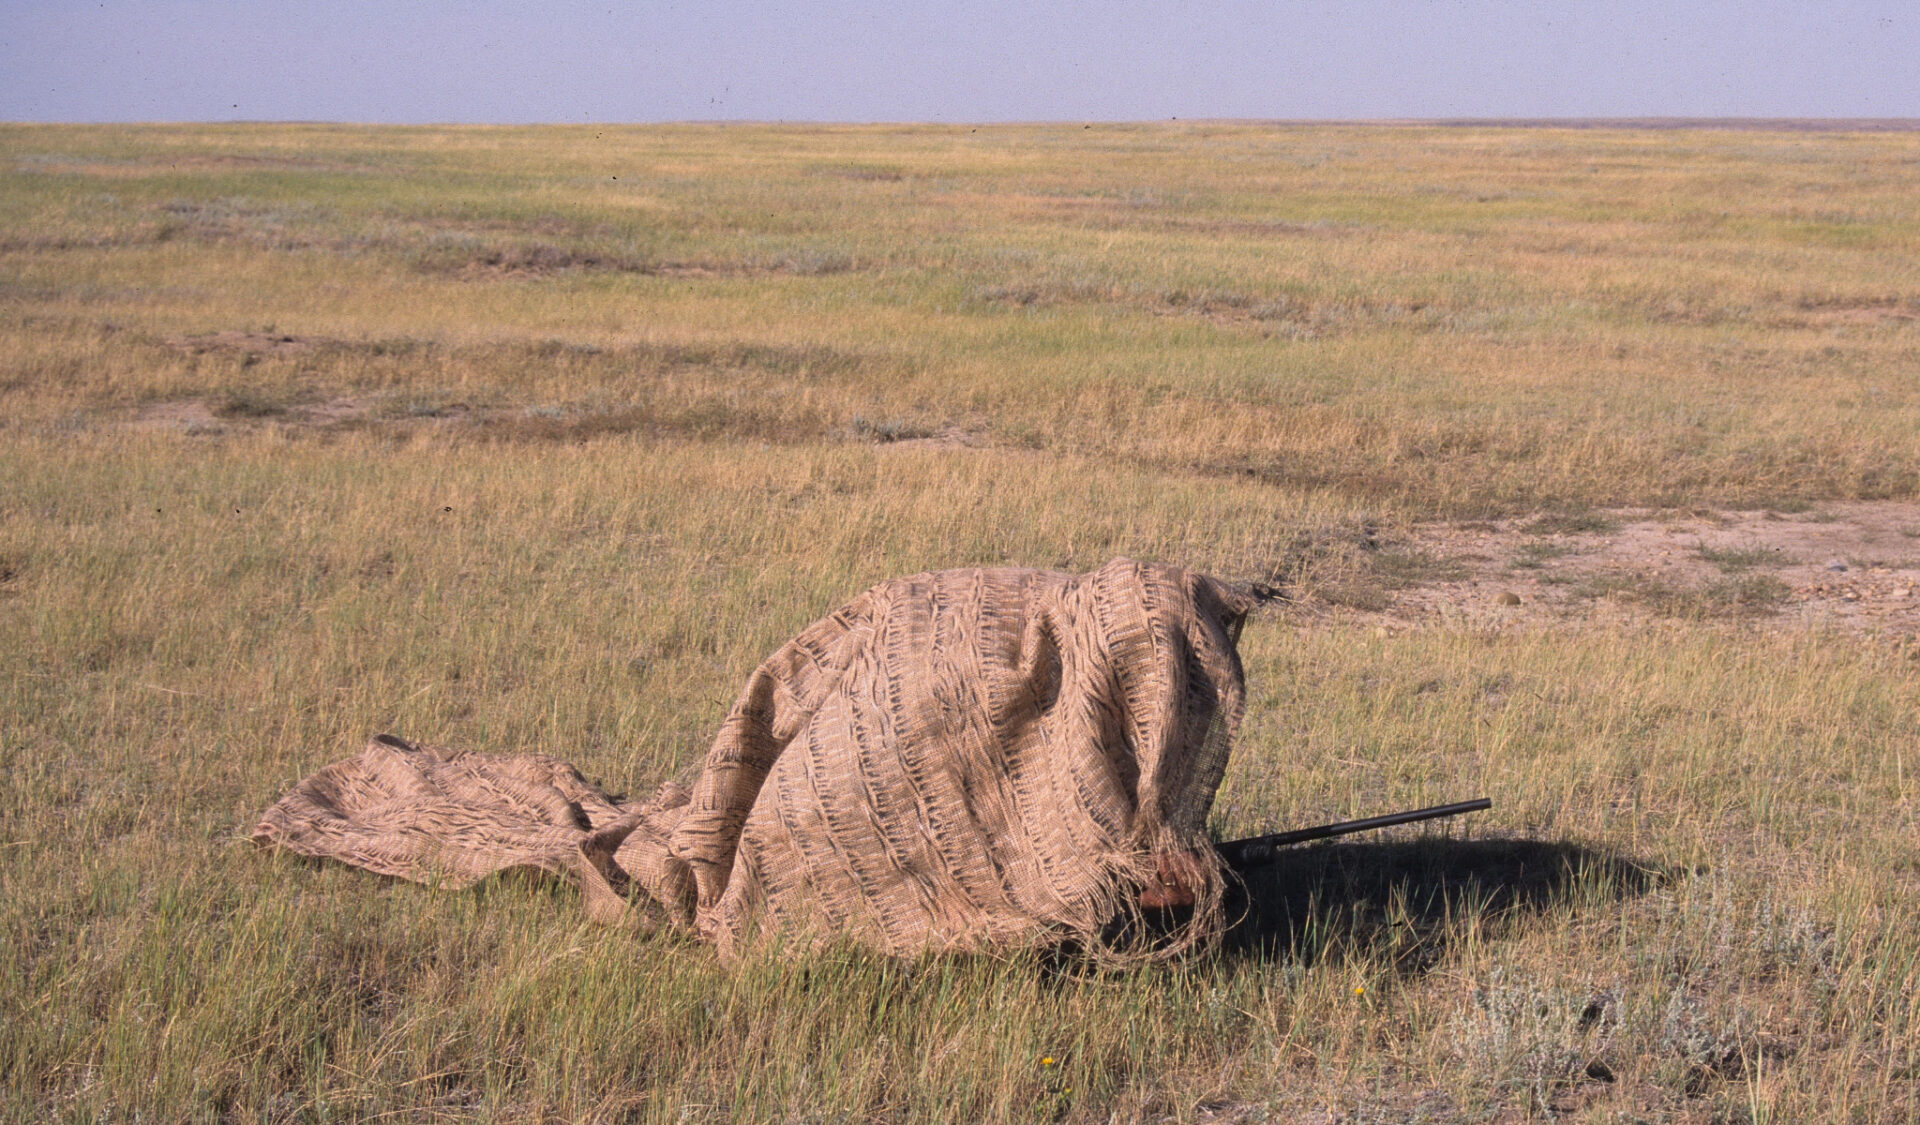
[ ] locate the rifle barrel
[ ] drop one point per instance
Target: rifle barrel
(1259, 849)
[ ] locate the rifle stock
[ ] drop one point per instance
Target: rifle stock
(1256, 850)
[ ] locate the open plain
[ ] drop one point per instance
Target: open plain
(1588, 459)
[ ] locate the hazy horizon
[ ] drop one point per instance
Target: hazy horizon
(361, 61)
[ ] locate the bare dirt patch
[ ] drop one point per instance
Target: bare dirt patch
(183, 414)
(1853, 565)
(403, 416)
(204, 416)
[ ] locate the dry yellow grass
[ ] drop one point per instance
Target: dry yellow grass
(538, 439)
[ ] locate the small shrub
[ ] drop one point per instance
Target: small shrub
(248, 403)
(1734, 560)
(884, 430)
(1534, 1041)
(1398, 569)
(1747, 594)
(1534, 555)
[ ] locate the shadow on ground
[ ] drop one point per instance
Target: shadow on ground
(1410, 900)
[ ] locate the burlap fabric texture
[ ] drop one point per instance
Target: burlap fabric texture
(954, 760)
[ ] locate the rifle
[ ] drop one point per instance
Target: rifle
(1258, 850)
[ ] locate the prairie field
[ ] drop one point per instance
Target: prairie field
(539, 439)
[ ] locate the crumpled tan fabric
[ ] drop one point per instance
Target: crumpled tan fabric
(960, 759)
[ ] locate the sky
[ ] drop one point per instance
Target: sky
(420, 61)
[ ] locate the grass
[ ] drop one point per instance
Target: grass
(1735, 595)
(1536, 554)
(617, 410)
(1739, 560)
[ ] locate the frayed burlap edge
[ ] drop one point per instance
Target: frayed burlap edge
(437, 815)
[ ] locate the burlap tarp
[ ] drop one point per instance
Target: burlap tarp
(953, 760)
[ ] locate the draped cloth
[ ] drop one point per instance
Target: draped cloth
(962, 759)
